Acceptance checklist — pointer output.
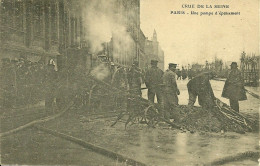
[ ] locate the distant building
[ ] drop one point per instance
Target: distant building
(161, 58)
(154, 51)
(124, 46)
(142, 55)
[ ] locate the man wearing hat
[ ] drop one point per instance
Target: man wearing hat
(154, 81)
(171, 90)
(134, 77)
(234, 88)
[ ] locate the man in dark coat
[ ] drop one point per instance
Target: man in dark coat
(171, 90)
(234, 88)
(135, 79)
(201, 87)
(154, 81)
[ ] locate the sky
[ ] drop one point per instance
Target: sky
(188, 39)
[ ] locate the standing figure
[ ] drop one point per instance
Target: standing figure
(154, 81)
(183, 73)
(178, 72)
(50, 79)
(201, 87)
(135, 79)
(171, 90)
(112, 70)
(119, 81)
(190, 74)
(234, 88)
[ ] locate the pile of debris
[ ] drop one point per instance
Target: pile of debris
(221, 118)
(218, 119)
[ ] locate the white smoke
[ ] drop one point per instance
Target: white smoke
(100, 72)
(103, 20)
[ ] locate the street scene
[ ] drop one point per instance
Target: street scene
(94, 82)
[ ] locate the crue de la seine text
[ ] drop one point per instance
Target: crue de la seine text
(204, 10)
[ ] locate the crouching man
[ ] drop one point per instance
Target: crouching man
(201, 87)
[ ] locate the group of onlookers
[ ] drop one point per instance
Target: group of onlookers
(21, 82)
(184, 73)
(164, 86)
(25, 82)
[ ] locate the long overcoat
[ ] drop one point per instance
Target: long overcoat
(234, 86)
(154, 78)
(170, 88)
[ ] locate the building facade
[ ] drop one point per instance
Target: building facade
(40, 30)
(142, 55)
(153, 51)
(44, 30)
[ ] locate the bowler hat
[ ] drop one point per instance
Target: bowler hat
(233, 63)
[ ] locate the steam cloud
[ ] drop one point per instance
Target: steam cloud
(103, 19)
(100, 72)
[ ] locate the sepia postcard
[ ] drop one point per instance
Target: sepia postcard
(129, 82)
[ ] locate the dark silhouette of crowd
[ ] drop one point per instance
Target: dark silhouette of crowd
(22, 82)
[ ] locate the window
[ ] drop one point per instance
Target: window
(53, 22)
(7, 12)
(37, 18)
(18, 15)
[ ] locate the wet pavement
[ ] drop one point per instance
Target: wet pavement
(152, 146)
(157, 146)
(44, 149)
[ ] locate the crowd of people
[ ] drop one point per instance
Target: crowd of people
(186, 73)
(164, 86)
(21, 82)
(24, 82)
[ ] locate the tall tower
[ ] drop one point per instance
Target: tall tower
(154, 35)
